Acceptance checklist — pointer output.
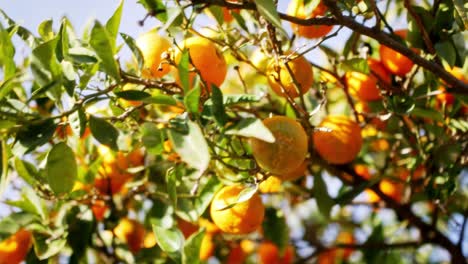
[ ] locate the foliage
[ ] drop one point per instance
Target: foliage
(92, 133)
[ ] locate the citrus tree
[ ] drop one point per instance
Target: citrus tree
(248, 131)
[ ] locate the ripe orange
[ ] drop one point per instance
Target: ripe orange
(207, 59)
(362, 171)
(445, 97)
(296, 173)
(131, 232)
(340, 145)
(207, 247)
(243, 218)
(396, 62)
(364, 86)
(152, 46)
(344, 238)
(268, 253)
(327, 257)
(236, 255)
(99, 209)
(296, 8)
(393, 189)
(210, 227)
(150, 240)
(187, 228)
(112, 174)
(14, 249)
(271, 185)
(289, 149)
(278, 75)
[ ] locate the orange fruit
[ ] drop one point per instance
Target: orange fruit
(207, 59)
(152, 47)
(297, 9)
(445, 97)
(187, 228)
(268, 253)
(112, 172)
(288, 151)
(279, 76)
(365, 86)
(271, 185)
(372, 197)
(296, 173)
(136, 157)
(362, 171)
(99, 209)
(327, 257)
(242, 218)
(340, 145)
(131, 232)
(150, 240)
(207, 247)
(345, 238)
(395, 62)
(236, 255)
(14, 249)
(393, 189)
(210, 227)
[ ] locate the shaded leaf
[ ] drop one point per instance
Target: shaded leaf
(152, 138)
(77, 121)
(191, 254)
(134, 95)
(35, 135)
(219, 112)
(192, 100)
(324, 201)
(61, 168)
(275, 228)
(103, 131)
(131, 43)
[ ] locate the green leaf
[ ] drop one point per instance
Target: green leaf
(26, 35)
(46, 246)
(192, 100)
(30, 202)
(232, 99)
(103, 131)
(63, 41)
(44, 63)
(82, 55)
(203, 200)
(152, 138)
(191, 254)
(346, 197)
(217, 13)
(251, 127)
(7, 52)
(102, 45)
(267, 9)
(9, 84)
(447, 52)
(356, 65)
(4, 175)
(275, 228)
(240, 21)
(324, 201)
(192, 147)
(162, 99)
(77, 121)
(133, 95)
(45, 30)
(174, 18)
(219, 112)
(131, 43)
(113, 24)
(170, 240)
(157, 7)
(349, 43)
(427, 113)
(183, 68)
(171, 184)
(35, 135)
(400, 104)
(61, 168)
(27, 171)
